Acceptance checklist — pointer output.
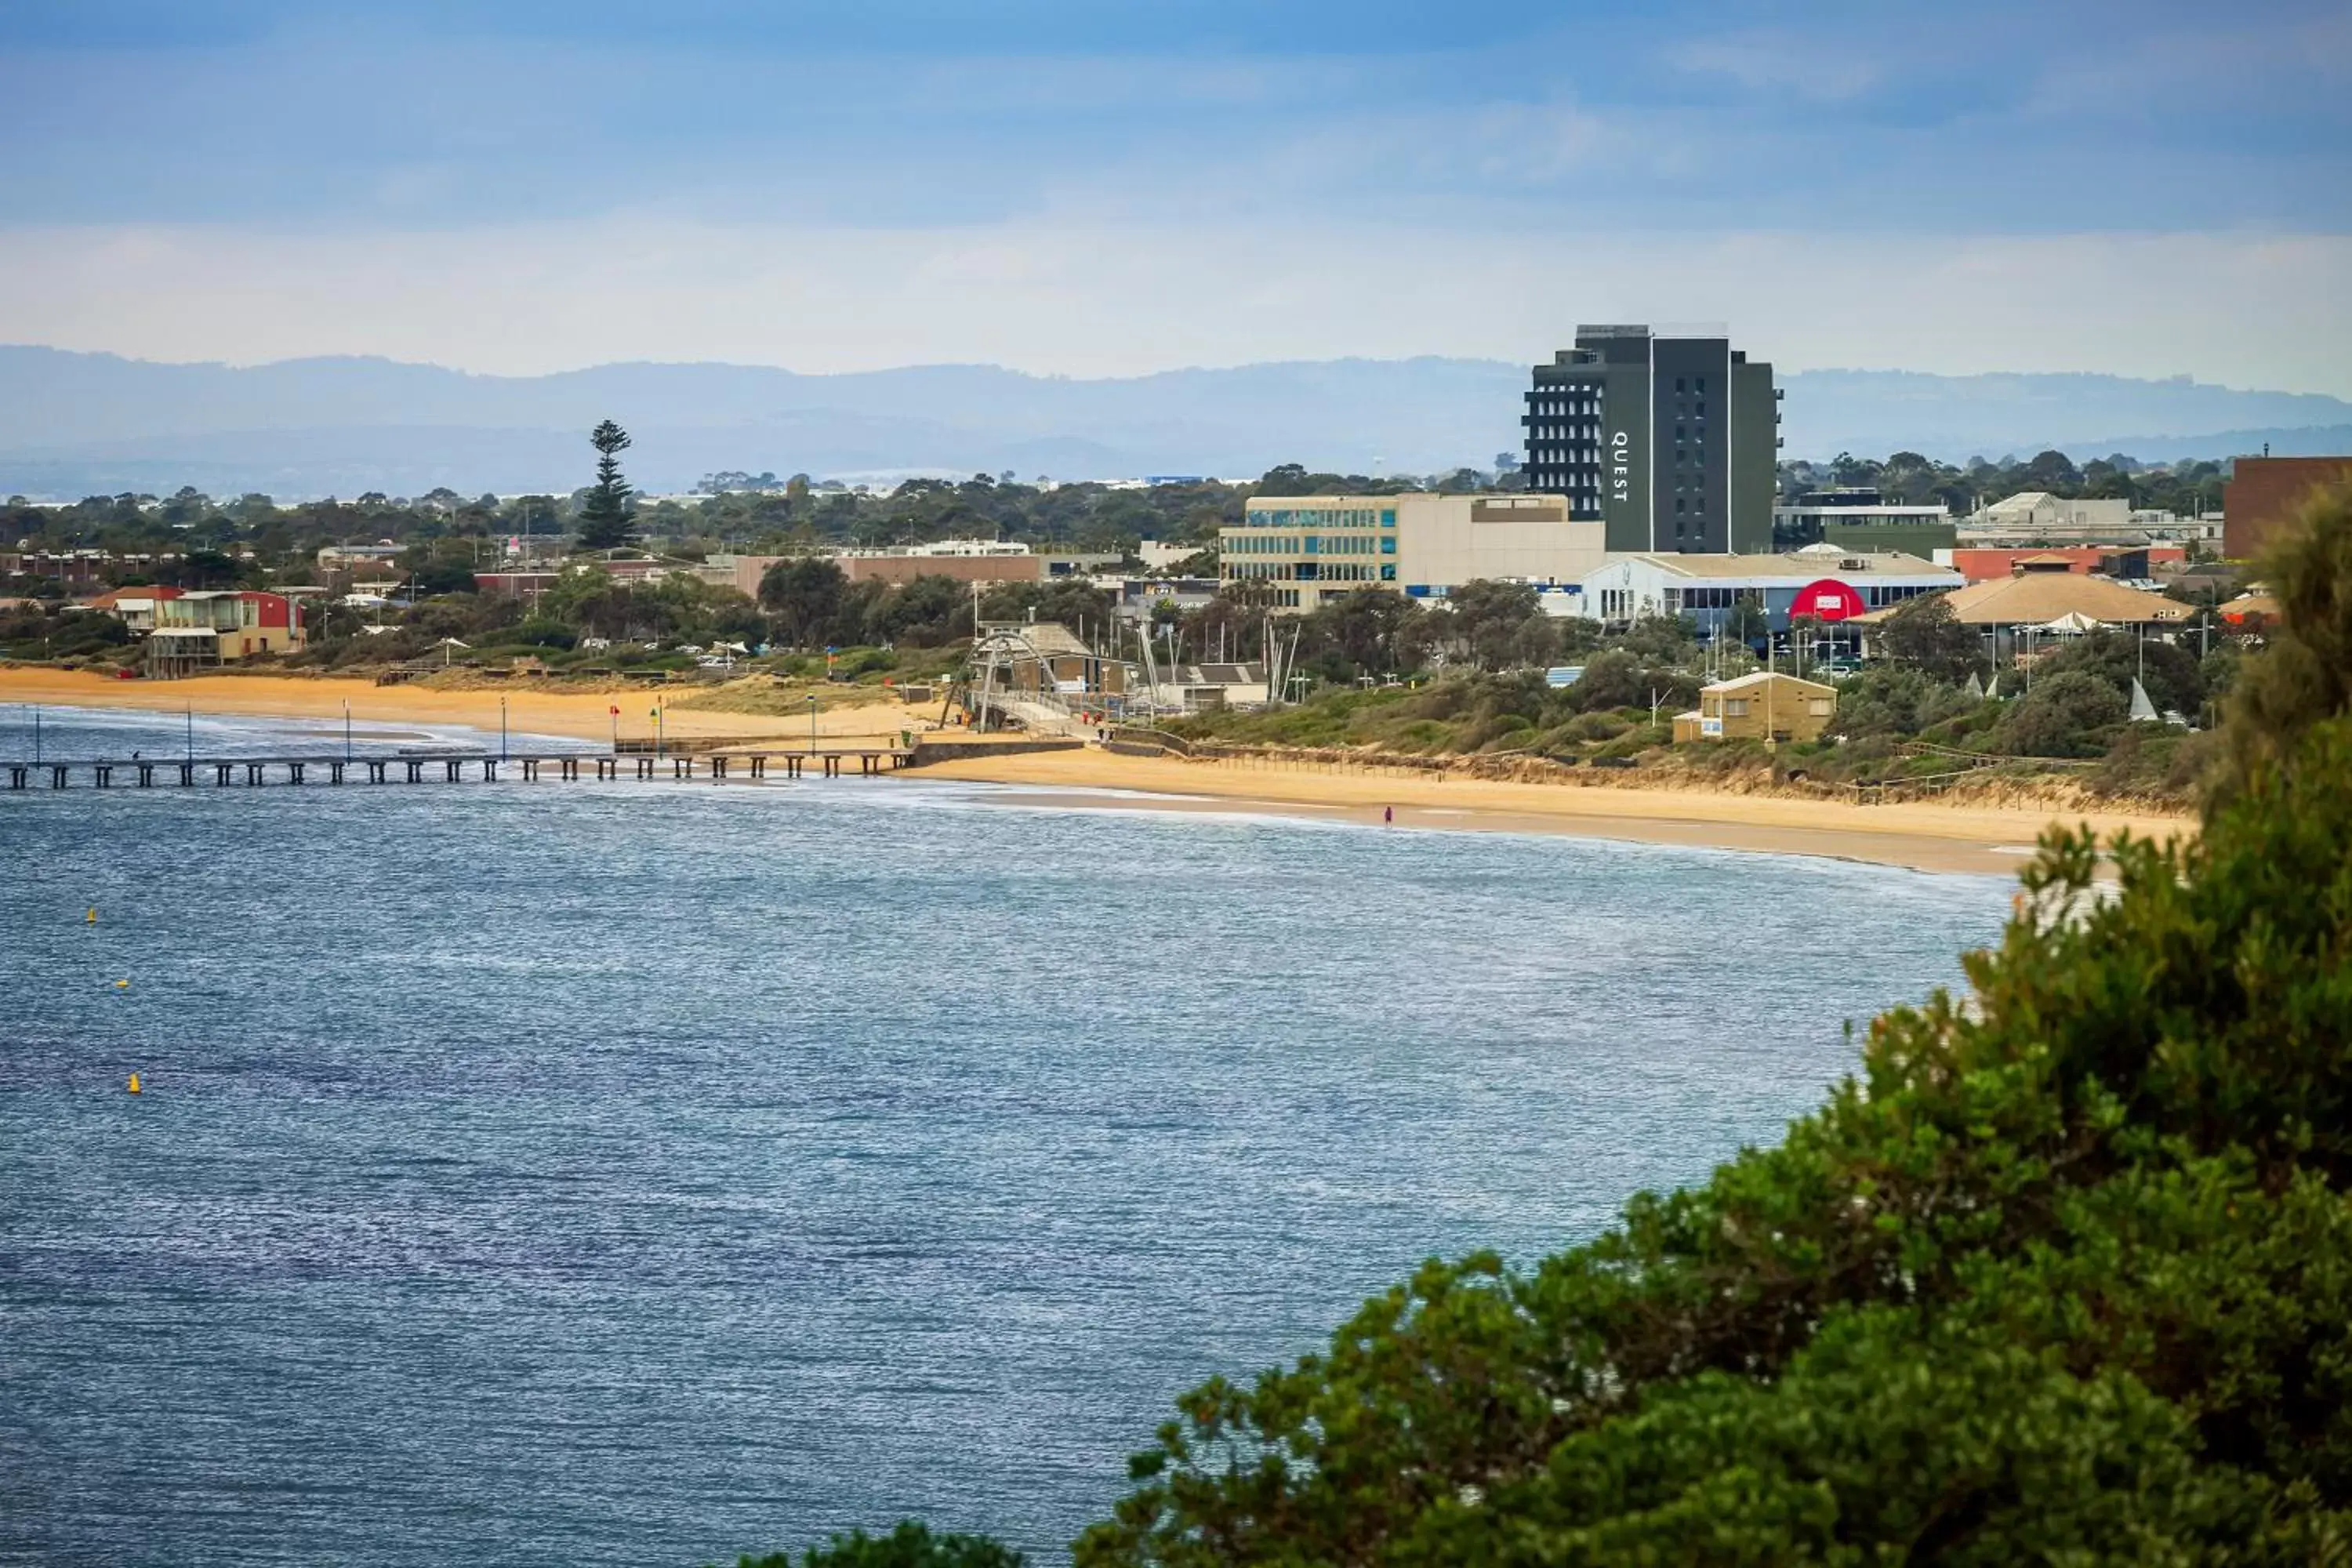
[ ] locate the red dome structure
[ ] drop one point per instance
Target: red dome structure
(1827, 599)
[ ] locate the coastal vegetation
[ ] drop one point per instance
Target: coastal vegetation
(2063, 1273)
(1396, 680)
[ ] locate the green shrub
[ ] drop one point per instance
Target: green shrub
(2065, 1275)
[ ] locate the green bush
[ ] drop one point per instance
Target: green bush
(910, 1545)
(2061, 717)
(2066, 1275)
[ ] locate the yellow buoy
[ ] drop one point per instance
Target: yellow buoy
(120, 983)
(134, 1083)
(93, 916)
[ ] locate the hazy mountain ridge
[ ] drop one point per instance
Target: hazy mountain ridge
(73, 424)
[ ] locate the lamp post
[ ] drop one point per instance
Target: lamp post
(347, 728)
(502, 728)
(616, 728)
(811, 703)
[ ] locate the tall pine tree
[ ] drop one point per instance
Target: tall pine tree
(607, 520)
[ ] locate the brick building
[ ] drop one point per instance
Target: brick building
(2263, 492)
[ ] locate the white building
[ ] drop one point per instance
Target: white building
(2037, 517)
(1308, 549)
(1706, 589)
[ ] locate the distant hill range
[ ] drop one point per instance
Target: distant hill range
(81, 424)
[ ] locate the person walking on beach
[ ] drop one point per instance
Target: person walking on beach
(1388, 814)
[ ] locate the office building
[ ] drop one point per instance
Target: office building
(1671, 442)
(1306, 549)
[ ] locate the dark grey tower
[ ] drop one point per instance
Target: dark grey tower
(1672, 442)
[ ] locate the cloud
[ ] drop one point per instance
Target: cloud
(1779, 63)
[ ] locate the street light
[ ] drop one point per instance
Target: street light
(347, 728)
(811, 703)
(502, 728)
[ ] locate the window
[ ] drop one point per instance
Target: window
(1388, 546)
(1734, 708)
(1388, 572)
(1702, 386)
(1678, 384)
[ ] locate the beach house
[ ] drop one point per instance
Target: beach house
(1765, 706)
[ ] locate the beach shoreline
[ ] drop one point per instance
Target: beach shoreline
(1923, 835)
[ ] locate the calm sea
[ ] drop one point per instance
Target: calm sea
(642, 1174)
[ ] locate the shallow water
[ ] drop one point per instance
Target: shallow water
(642, 1174)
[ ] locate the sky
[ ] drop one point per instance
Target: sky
(2146, 188)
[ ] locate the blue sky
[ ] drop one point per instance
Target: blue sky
(2152, 188)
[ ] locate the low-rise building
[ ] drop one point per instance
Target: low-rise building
(1306, 550)
(355, 557)
(2123, 563)
(1707, 589)
(205, 630)
(1859, 519)
(1765, 706)
(2011, 614)
(134, 607)
(964, 560)
(1136, 599)
(2037, 517)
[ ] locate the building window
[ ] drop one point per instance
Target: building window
(1388, 546)
(1678, 384)
(1388, 572)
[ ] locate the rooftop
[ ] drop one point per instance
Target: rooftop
(1764, 677)
(2039, 598)
(1803, 567)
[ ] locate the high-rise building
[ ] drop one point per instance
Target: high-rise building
(1672, 442)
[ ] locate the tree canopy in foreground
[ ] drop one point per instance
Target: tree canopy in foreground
(2063, 1275)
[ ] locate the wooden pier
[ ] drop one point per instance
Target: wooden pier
(718, 767)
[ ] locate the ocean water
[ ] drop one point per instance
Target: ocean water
(643, 1173)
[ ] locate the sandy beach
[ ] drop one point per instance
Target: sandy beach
(583, 715)
(1922, 836)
